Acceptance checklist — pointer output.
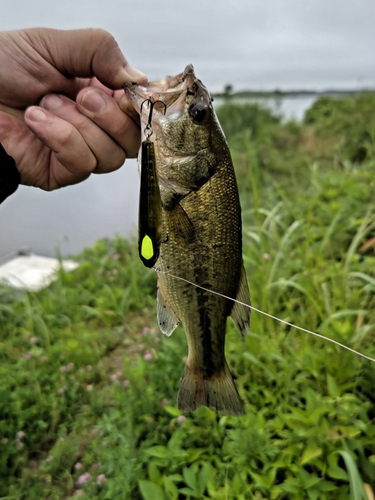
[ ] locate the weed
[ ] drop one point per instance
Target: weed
(87, 400)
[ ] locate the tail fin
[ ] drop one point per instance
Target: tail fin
(218, 393)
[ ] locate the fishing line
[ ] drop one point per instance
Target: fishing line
(270, 316)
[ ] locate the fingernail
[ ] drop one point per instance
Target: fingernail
(35, 114)
(51, 102)
(135, 75)
(94, 101)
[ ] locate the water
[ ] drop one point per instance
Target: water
(69, 219)
(290, 108)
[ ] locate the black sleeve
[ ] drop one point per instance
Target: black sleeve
(9, 175)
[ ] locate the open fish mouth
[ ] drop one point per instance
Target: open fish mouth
(161, 88)
(168, 95)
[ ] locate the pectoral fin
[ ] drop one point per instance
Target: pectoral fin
(180, 227)
(167, 319)
(241, 314)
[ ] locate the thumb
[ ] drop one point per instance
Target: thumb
(85, 53)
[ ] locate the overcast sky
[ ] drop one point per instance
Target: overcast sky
(262, 44)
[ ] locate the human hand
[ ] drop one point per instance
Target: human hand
(78, 127)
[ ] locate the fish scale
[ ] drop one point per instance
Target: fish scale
(200, 263)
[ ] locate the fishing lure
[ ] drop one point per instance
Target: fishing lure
(149, 213)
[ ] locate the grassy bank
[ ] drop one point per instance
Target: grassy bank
(88, 384)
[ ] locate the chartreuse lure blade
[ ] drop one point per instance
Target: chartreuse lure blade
(149, 214)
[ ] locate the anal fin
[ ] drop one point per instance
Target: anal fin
(241, 314)
(167, 319)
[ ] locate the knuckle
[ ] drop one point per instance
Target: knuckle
(119, 161)
(111, 164)
(66, 136)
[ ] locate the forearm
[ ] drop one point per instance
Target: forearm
(9, 175)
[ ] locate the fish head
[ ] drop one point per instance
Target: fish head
(177, 114)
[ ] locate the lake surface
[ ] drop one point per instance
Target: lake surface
(290, 108)
(69, 219)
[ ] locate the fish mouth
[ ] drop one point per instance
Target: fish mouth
(166, 87)
(167, 95)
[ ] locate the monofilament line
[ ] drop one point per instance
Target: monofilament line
(271, 316)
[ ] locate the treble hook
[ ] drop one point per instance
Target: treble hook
(148, 129)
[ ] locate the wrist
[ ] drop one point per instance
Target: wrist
(9, 175)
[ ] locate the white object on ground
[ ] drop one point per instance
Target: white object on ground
(32, 272)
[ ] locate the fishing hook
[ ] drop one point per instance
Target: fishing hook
(148, 129)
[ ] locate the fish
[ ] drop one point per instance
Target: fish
(201, 235)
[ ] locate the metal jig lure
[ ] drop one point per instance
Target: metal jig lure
(149, 213)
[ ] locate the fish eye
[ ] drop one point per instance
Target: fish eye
(197, 112)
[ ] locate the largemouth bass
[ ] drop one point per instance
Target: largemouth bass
(201, 234)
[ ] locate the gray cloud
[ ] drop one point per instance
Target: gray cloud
(249, 43)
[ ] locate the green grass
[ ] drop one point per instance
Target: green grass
(88, 383)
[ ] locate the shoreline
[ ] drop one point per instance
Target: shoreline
(289, 93)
